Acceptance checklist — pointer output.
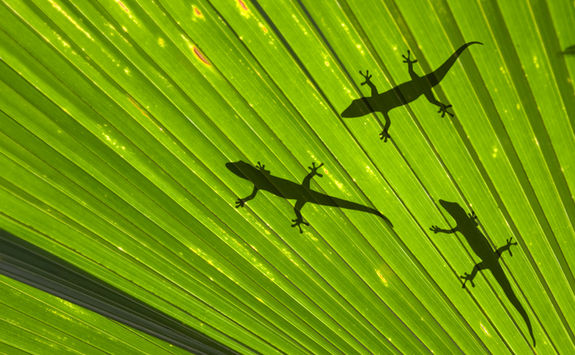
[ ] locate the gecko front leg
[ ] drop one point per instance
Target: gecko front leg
(313, 172)
(262, 168)
(367, 81)
(410, 63)
(436, 229)
(507, 247)
(241, 202)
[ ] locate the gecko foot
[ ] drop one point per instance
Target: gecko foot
(261, 167)
(408, 58)
(240, 203)
(467, 277)
(435, 229)
(384, 135)
(473, 218)
(366, 76)
(510, 243)
(298, 222)
(314, 168)
(443, 110)
(507, 247)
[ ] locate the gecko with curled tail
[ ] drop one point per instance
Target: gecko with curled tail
(403, 93)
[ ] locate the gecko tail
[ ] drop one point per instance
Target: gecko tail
(384, 218)
(326, 200)
(506, 286)
(358, 207)
(436, 76)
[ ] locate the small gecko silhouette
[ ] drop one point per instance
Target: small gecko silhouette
(403, 93)
(569, 50)
(467, 225)
(302, 193)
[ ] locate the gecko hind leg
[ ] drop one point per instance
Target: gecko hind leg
(384, 135)
(469, 277)
(298, 221)
(442, 107)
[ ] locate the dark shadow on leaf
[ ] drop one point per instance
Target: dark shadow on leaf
(569, 50)
(302, 193)
(403, 93)
(33, 266)
(467, 225)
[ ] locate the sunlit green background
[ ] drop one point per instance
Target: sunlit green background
(117, 117)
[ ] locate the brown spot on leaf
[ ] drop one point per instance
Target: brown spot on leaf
(124, 7)
(197, 12)
(135, 103)
(201, 56)
(243, 5)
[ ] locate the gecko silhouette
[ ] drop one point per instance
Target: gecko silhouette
(302, 193)
(569, 50)
(467, 225)
(403, 93)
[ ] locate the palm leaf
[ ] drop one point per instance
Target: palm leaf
(118, 117)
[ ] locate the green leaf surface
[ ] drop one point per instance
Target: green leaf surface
(117, 119)
(32, 322)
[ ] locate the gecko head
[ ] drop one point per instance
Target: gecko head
(454, 209)
(244, 170)
(240, 168)
(358, 107)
